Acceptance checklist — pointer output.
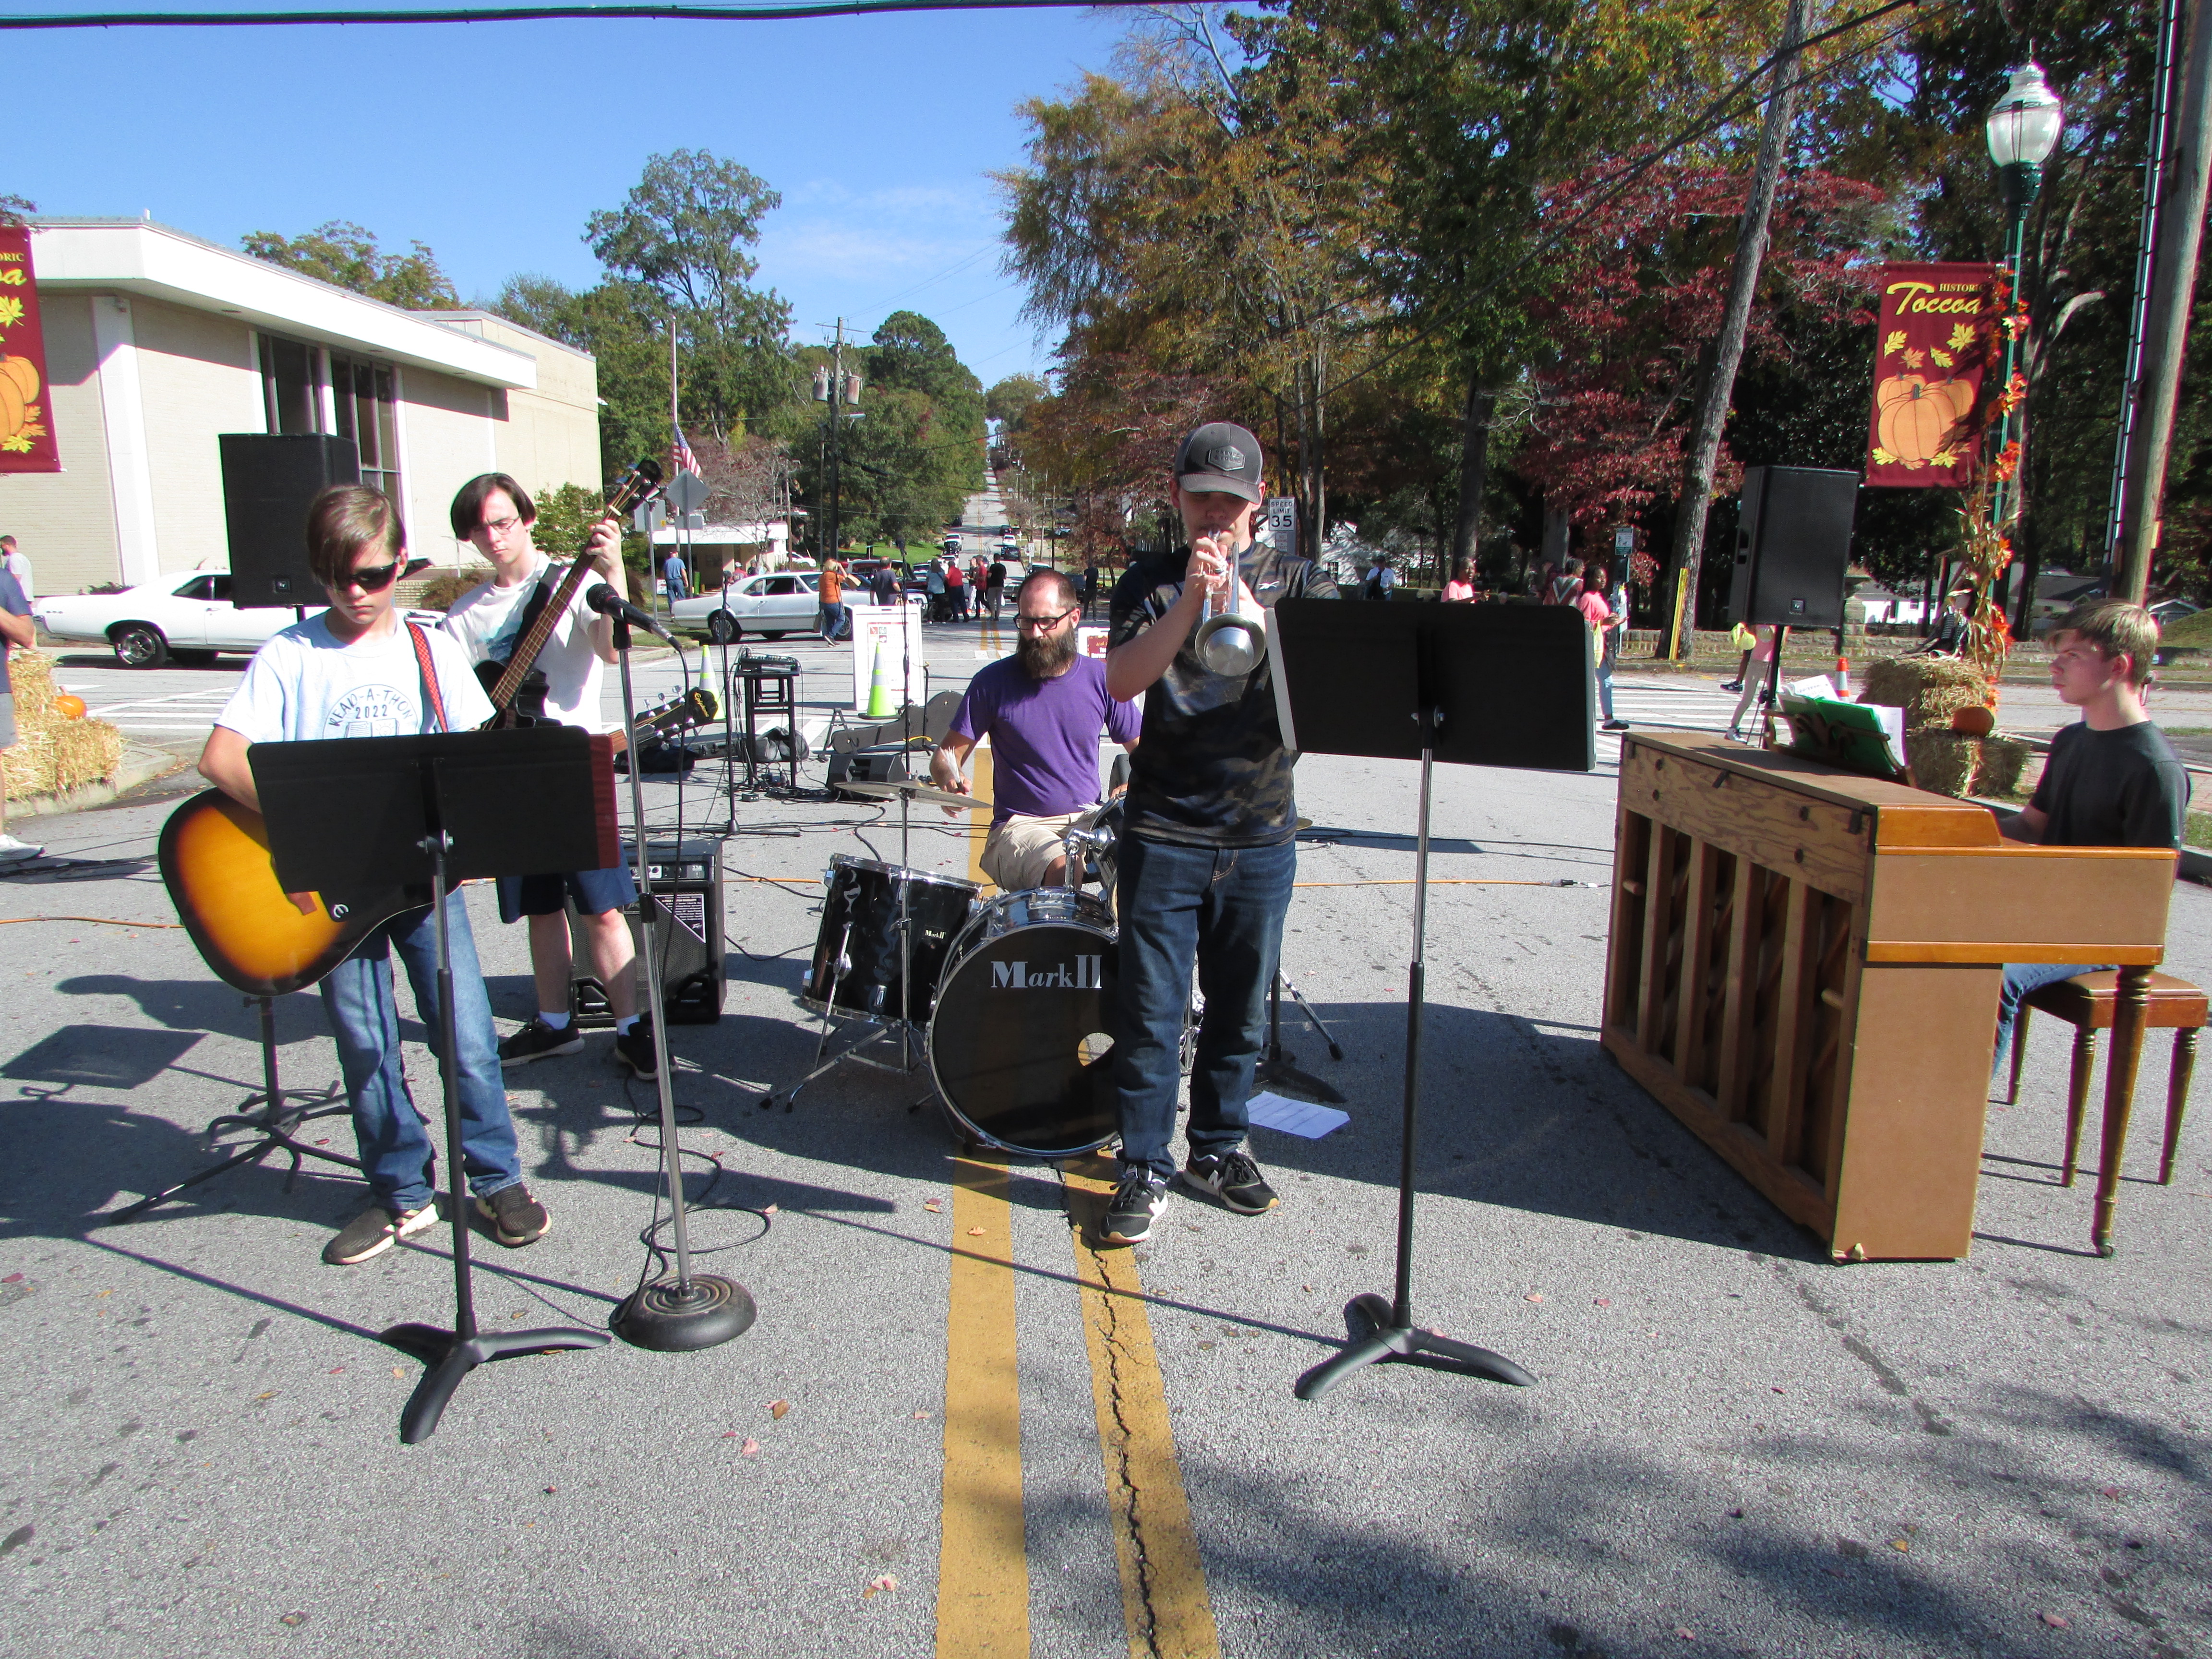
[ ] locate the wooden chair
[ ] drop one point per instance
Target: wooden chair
(2086, 1002)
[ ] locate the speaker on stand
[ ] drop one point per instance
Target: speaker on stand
(686, 879)
(1793, 544)
(269, 481)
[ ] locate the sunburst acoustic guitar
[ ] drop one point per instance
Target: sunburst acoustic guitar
(214, 857)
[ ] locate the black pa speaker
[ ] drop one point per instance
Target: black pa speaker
(1793, 544)
(888, 764)
(686, 882)
(268, 485)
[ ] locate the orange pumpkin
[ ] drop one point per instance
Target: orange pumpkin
(1976, 721)
(68, 706)
(1918, 414)
(21, 371)
(11, 407)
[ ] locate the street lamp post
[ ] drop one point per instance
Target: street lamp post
(2022, 130)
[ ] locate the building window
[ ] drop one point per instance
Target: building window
(361, 398)
(288, 387)
(362, 391)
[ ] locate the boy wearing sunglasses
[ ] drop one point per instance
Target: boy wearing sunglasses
(357, 670)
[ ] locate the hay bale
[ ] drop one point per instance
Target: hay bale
(52, 756)
(1942, 760)
(1952, 764)
(1928, 689)
(31, 675)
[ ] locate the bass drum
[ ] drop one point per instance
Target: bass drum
(1021, 1044)
(856, 972)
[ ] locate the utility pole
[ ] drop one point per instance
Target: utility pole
(2173, 286)
(1719, 383)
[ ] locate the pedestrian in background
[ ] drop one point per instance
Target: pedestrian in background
(994, 587)
(672, 573)
(16, 632)
(1754, 679)
(1382, 580)
(955, 589)
(1090, 586)
(13, 561)
(1595, 604)
(1460, 590)
(831, 592)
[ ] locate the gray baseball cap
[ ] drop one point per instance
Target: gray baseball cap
(1221, 455)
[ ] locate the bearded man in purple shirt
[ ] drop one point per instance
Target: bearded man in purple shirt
(1042, 709)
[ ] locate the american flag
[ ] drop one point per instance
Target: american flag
(685, 460)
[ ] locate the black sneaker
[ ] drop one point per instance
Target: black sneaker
(539, 1040)
(516, 1217)
(1731, 685)
(375, 1231)
(1137, 1204)
(636, 1049)
(1234, 1179)
(1614, 726)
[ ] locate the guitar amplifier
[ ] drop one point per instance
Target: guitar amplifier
(685, 884)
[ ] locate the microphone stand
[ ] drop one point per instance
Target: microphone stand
(691, 1310)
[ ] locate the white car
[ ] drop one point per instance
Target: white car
(771, 606)
(187, 618)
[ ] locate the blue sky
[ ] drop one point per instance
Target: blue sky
(494, 142)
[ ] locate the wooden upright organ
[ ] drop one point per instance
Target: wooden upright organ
(1804, 966)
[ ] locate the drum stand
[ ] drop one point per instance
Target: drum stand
(909, 1060)
(1278, 1068)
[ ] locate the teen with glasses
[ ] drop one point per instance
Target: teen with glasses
(1042, 709)
(495, 515)
(357, 670)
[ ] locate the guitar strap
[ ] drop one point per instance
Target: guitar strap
(429, 673)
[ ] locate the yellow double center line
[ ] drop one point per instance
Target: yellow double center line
(982, 1574)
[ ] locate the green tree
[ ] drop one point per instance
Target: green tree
(681, 238)
(346, 255)
(1010, 399)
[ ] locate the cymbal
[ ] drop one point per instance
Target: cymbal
(927, 793)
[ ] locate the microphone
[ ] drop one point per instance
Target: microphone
(608, 603)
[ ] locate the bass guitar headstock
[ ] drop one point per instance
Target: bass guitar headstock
(635, 486)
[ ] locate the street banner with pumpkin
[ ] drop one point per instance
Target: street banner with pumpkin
(26, 437)
(1939, 331)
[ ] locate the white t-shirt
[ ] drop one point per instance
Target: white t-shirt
(303, 686)
(487, 622)
(19, 566)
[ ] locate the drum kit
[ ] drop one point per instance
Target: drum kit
(1009, 1000)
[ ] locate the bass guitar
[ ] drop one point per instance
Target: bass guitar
(215, 861)
(515, 687)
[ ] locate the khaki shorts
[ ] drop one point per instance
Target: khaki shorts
(1018, 852)
(7, 719)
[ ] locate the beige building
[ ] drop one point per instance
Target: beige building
(157, 343)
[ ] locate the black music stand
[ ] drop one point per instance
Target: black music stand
(1473, 685)
(428, 812)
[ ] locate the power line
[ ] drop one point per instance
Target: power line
(735, 14)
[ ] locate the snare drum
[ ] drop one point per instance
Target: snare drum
(1021, 1043)
(855, 973)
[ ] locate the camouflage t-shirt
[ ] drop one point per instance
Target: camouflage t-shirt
(1212, 770)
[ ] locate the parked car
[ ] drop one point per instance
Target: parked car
(772, 605)
(186, 619)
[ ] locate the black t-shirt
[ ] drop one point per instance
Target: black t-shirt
(2125, 788)
(1212, 770)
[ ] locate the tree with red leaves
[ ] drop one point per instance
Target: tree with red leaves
(1635, 303)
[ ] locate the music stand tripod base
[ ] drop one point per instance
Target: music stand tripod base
(1374, 1336)
(672, 1317)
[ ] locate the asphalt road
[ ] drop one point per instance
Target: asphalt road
(1734, 1447)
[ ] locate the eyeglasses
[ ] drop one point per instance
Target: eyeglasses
(369, 578)
(1046, 622)
(497, 529)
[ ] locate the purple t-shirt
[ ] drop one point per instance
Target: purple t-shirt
(1044, 734)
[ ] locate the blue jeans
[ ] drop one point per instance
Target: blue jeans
(1604, 685)
(1223, 908)
(832, 621)
(397, 1152)
(2022, 980)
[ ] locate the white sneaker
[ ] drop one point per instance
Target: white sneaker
(12, 848)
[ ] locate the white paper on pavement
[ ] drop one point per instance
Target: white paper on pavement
(1295, 1117)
